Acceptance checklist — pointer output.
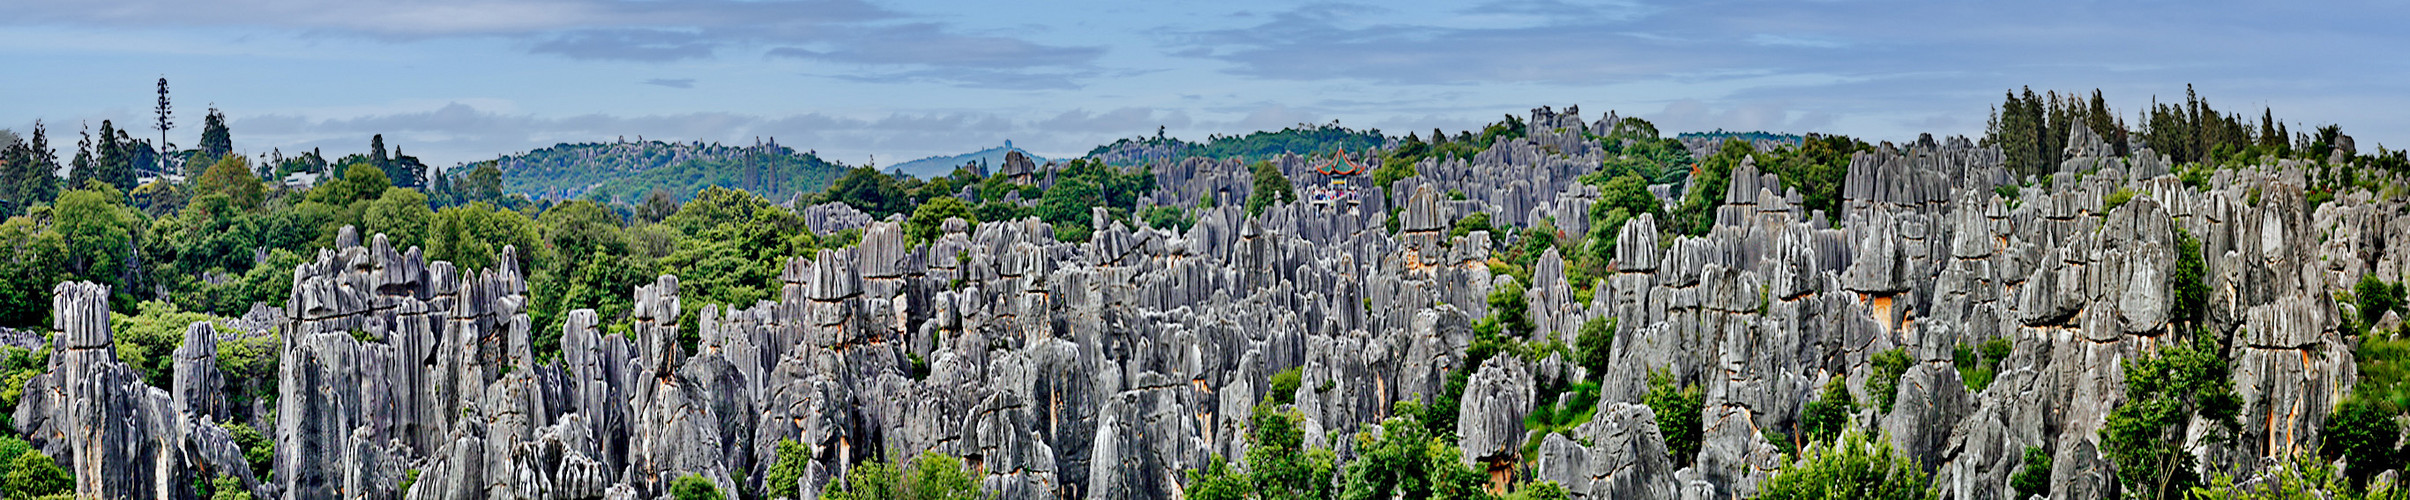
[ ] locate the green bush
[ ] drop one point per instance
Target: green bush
(2164, 392)
(1479, 221)
(1884, 383)
(1218, 481)
(2116, 199)
(1851, 468)
(228, 488)
(1825, 418)
(1284, 385)
(2034, 478)
(35, 475)
(258, 450)
(2375, 297)
(1271, 187)
(2299, 476)
(1542, 490)
(1679, 416)
(1280, 464)
(1977, 367)
(931, 476)
(2384, 366)
(1402, 459)
(2189, 281)
(785, 478)
(1594, 346)
(2362, 432)
(695, 487)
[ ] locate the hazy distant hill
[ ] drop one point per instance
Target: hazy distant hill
(627, 170)
(1302, 139)
(935, 166)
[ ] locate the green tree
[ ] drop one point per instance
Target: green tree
(1680, 418)
(785, 479)
(1279, 464)
(480, 184)
(931, 476)
(1271, 187)
(1594, 347)
(31, 260)
(401, 214)
(1851, 468)
(1403, 460)
(695, 487)
(35, 475)
(928, 221)
(2165, 390)
(1218, 481)
(228, 488)
(1706, 190)
(2362, 431)
(1884, 383)
(99, 231)
(29, 176)
(472, 236)
(233, 178)
(1823, 419)
(258, 450)
(1284, 385)
(2374, 298)
(216, 141)
(2034, 478)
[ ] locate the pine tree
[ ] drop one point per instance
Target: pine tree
(112, 159)
(37, 180)
(83, 164)
(165, 122)
(216, 141)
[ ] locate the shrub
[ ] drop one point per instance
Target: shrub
(785, 478)
(2190, 301)
(258, 450)
(1825, 418)
(1280, 464)
(2362, 432)
(1884, 383)
(2116, 199)
(695, 487)
(1542, 490)
(1284, 385)
(35, 475)
(228, 488)
(932, 476)
(2164, 392)
(1479, 221)
(1593, 347)
(1852, 468)
(2034, 478)
(1679, 417)
(2384, 366)
(2375, 298)
(1405, 460)
(1977, 366)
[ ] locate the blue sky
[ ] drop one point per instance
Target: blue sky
(458, 80)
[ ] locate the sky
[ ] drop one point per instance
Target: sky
(455, 81)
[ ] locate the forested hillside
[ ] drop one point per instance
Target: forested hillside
(1543, 307)
(626, 172)
(1305, 140)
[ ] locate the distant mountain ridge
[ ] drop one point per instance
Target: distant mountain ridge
(936, 166)
(626, 171)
